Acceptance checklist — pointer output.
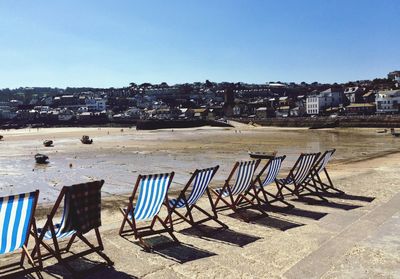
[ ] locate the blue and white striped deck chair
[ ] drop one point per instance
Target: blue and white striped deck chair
(89, 196)
(319, 168)
(17, 223)
(298, 176)
(267, 176)
(153, 193)
(200, 181)
(240, 188)
(62, 229)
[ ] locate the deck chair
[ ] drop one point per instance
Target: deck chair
(153, 193)
(17, 224)
(81, 214)
(298, 177)
(201, 180)
(241, 189)
(318, 169)
(267, 176)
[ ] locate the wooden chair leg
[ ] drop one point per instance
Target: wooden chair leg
(97, 250)
(169, 229)
(70, 242)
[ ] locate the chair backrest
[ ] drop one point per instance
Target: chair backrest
(271, 170)
(16, 214)
(201, 181)
(302, 168)
(85, 205)
(324, 160)
(244, 176)
(152, 193)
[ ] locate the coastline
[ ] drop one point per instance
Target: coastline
(290, 240)
(360, 231)
(356, 121)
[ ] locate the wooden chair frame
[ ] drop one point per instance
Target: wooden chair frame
(321, 186)
(15, 268)
(236, 204)
(278, 197)
(59, 252)
(300, 189)
(188, 216)
(141, 232)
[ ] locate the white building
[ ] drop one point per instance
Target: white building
(317, 103)
(95, 104)
(387, 101)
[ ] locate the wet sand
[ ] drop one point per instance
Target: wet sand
(119, 156)
(354, 236)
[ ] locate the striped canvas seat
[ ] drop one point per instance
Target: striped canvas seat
(272, 170)
(301, 170)
(152, 192)
(187, 200)
(267, 176)
(240, 194)
(200, 184)
(17, 224)
(61, 229)
(243, 180)
(319, 171)
(15, 216)
(323, 162)
(320, 164)
(82, 207)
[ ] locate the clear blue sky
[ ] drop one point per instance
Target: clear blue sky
(111, 43)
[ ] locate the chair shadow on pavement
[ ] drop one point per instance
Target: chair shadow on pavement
(267, 221)
(314, 215)
(181, 252)
(226, 236)
(177, 252)
(89, 269)
(330, 204)
(348, 197)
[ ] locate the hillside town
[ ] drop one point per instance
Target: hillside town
(199, 100)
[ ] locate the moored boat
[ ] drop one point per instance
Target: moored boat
(394, 133)
(86, 140)
(48, 143)
(41, 158)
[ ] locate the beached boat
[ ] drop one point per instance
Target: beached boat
(41, 158)
(394, 133)
(262, 155)
(86, 140)
(382, 131)
(48, 143)
(1, 137)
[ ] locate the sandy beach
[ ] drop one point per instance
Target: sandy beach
(353, 236)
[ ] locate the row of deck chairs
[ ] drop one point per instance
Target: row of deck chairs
(81, 211)
(246, 190)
